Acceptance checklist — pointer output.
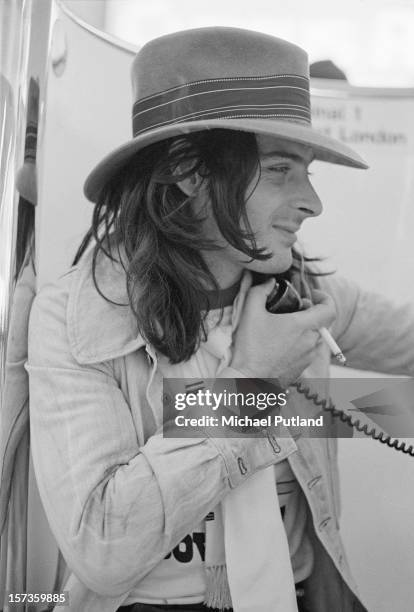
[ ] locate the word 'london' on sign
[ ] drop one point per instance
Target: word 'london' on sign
(348, 122)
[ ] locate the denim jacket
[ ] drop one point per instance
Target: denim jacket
(117, 495)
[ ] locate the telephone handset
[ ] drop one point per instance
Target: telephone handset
(283, 299)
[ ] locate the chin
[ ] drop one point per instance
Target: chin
(276, 265)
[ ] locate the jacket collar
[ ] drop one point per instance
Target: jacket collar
(97, 329)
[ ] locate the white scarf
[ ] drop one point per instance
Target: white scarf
(247, 560)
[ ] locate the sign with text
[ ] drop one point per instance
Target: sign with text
(366, 229)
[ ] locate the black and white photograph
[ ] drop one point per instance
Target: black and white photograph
(206, 306)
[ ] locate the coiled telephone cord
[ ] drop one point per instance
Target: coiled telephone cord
(330, 407)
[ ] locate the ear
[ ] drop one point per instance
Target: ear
(190, 185)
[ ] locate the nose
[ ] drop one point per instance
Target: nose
(308, 200)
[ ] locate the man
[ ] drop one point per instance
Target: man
(190, 215)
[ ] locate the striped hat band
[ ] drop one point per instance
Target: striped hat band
(281, 97)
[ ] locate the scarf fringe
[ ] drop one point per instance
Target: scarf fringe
(217, 588)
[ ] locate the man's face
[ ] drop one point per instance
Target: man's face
(281, 200)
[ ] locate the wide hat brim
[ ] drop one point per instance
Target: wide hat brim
(324, 148)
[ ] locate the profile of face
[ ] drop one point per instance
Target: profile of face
(279, 199)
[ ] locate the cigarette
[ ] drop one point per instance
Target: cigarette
(336, 351)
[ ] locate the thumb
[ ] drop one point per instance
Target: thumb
(269, 285)
(262, 292)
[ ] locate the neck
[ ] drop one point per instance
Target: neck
(225, 273)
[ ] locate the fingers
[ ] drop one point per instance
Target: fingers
(321, 314)
(259, 293)
(319, 296)
(311, 339)
(265, 289)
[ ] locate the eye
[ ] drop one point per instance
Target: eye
(279, 169)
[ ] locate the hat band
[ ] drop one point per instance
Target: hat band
(283, 97)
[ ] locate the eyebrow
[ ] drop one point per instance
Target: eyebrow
(285, 155)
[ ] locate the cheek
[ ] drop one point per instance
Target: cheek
(262, 207)
(257, 217)
(261, 219)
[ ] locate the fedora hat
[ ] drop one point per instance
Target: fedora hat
(219, 77)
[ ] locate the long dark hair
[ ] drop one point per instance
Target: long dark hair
(142, 208)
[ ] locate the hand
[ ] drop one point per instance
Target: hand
(279, 345)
